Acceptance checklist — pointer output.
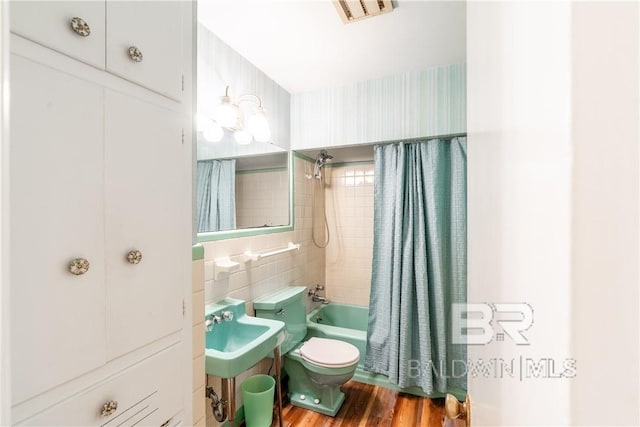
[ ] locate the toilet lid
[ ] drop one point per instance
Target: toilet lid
(329, 353)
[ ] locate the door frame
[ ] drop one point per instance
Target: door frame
(5, 371)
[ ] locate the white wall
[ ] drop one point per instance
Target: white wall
(553, 204)
(408, 105)
(605, 213)
(519, 197)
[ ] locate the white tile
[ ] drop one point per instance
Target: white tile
(197, 307)
(197, 276)
(198, 338)
(199, 406)
(208, 270)
(238, 280)
(199, 375)
(209, 250)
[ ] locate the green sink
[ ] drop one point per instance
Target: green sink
(235, 343)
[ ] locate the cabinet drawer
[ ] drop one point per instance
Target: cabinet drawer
(49, 24)
(148, 393)
(154, 28)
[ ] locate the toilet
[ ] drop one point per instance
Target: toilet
(317, 367)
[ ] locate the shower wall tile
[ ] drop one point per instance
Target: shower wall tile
(349, 197)
(409, 105)
(254, 279)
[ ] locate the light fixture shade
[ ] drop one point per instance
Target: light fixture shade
(242, 137)
(228, 113)
(213, 132)
(210, 129)
(202, 122)
(258, 126)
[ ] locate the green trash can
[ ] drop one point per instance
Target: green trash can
(257, 395)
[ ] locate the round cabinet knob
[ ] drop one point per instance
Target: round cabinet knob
(134, 257)
(135, 54)
(109, 408)
(79, 266)
(80, 27)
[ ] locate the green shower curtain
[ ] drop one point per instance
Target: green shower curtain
(419, 264)
(216, 195)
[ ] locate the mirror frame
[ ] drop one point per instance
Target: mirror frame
(212, 236)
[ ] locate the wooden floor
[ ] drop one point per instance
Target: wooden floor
(367, 406)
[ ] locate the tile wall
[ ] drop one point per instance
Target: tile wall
(255, 279)
(198, 343)
(349, 197)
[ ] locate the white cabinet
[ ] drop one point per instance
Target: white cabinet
(95, 174)
(140, 41)
(100, 170)
(49, 24)
(150, 27)
(57, 215)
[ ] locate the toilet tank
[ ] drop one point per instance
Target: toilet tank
(288, 306)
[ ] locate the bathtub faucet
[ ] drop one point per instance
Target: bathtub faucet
(316, 297)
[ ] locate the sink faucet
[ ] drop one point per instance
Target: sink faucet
(210, 321)
(214, 319)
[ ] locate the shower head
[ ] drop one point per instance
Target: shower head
(321, 160)
(323, 157)
(326, 156)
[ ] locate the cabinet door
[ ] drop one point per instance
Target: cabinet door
(49, 24)
(57, 318)
(155, 29)
(146, 210)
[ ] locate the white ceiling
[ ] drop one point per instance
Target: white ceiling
(303, 45)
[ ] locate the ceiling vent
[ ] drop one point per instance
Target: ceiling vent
(355, 10)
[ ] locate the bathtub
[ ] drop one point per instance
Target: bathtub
(348, 323)
(341, 322)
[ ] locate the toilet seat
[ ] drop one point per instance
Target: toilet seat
(329, 353)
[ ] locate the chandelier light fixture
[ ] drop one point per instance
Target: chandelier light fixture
(229, 116)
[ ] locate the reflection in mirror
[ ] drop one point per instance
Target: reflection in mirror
(244, 192)
(241, 183)
(262, 191)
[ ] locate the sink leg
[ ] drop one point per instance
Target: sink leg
(276, 356)
(229, 397)
(232, 401)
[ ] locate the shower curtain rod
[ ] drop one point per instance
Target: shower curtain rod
(423, 138)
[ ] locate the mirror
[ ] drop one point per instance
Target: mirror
(243, 182)
(246, 192)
